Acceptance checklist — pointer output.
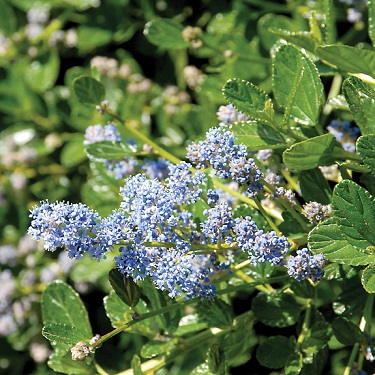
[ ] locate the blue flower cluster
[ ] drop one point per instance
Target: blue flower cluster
(155, 230)
(305, 265)
(66, 225)
(261, 246)
(227, 158)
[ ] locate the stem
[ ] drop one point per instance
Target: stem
(333, 92)
(100, 369)
(353, 354)
(296, 216)
(266, 216)
(151, 365)
(123, 327)
(263, 288)
(247, 200)
(364, 326)
(290, 180)
(305, 324)
(290, 209)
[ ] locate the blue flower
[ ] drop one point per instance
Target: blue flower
(305, 265)
(183, 184)
(67, 225)
(99, 133)
(169, 270)
(156, 169)
(219, 223)
(260, 246)
(227, 158)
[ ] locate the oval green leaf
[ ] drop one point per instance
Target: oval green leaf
(366, 148)
(274, 351)
(110, 150)
(347, 332)
(124, 287)
(63, 333)
(296, 84)
(312, 153)
(368, 278)
(354, 210)
(361, 99)
(61, 304)
(276, 311)
(165, 33)
(88, 90)
(348, 59)
(247, 98)
(256, 136)
(326, 238)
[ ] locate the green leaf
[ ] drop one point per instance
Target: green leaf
(348, 59)
(314, 186)
(63, 363)
(239, 343)
(216, 313)
(276, 311)
(73, 153)
(351, 300)
(89, 38)
(256, 136)
(315, 365)
(63, 333)
(274, 351)
(270, 22)
(312, 153)
(110, 150)
(368, 278)
(188, 324)
(61, 304)
(165, 33)
(361, 99)
(296, 84)
(317, 337)
(154, 348)
(119, 314)
(248, 99)
(303, 39)
(124, 287)
(366, 149)
(355, 167)
(88, 90)
(8, 19)
(347, 332)
(42, 74)
(328, 11)
(354, 211)
(327, 238)
(157, 301)
(371, 21)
